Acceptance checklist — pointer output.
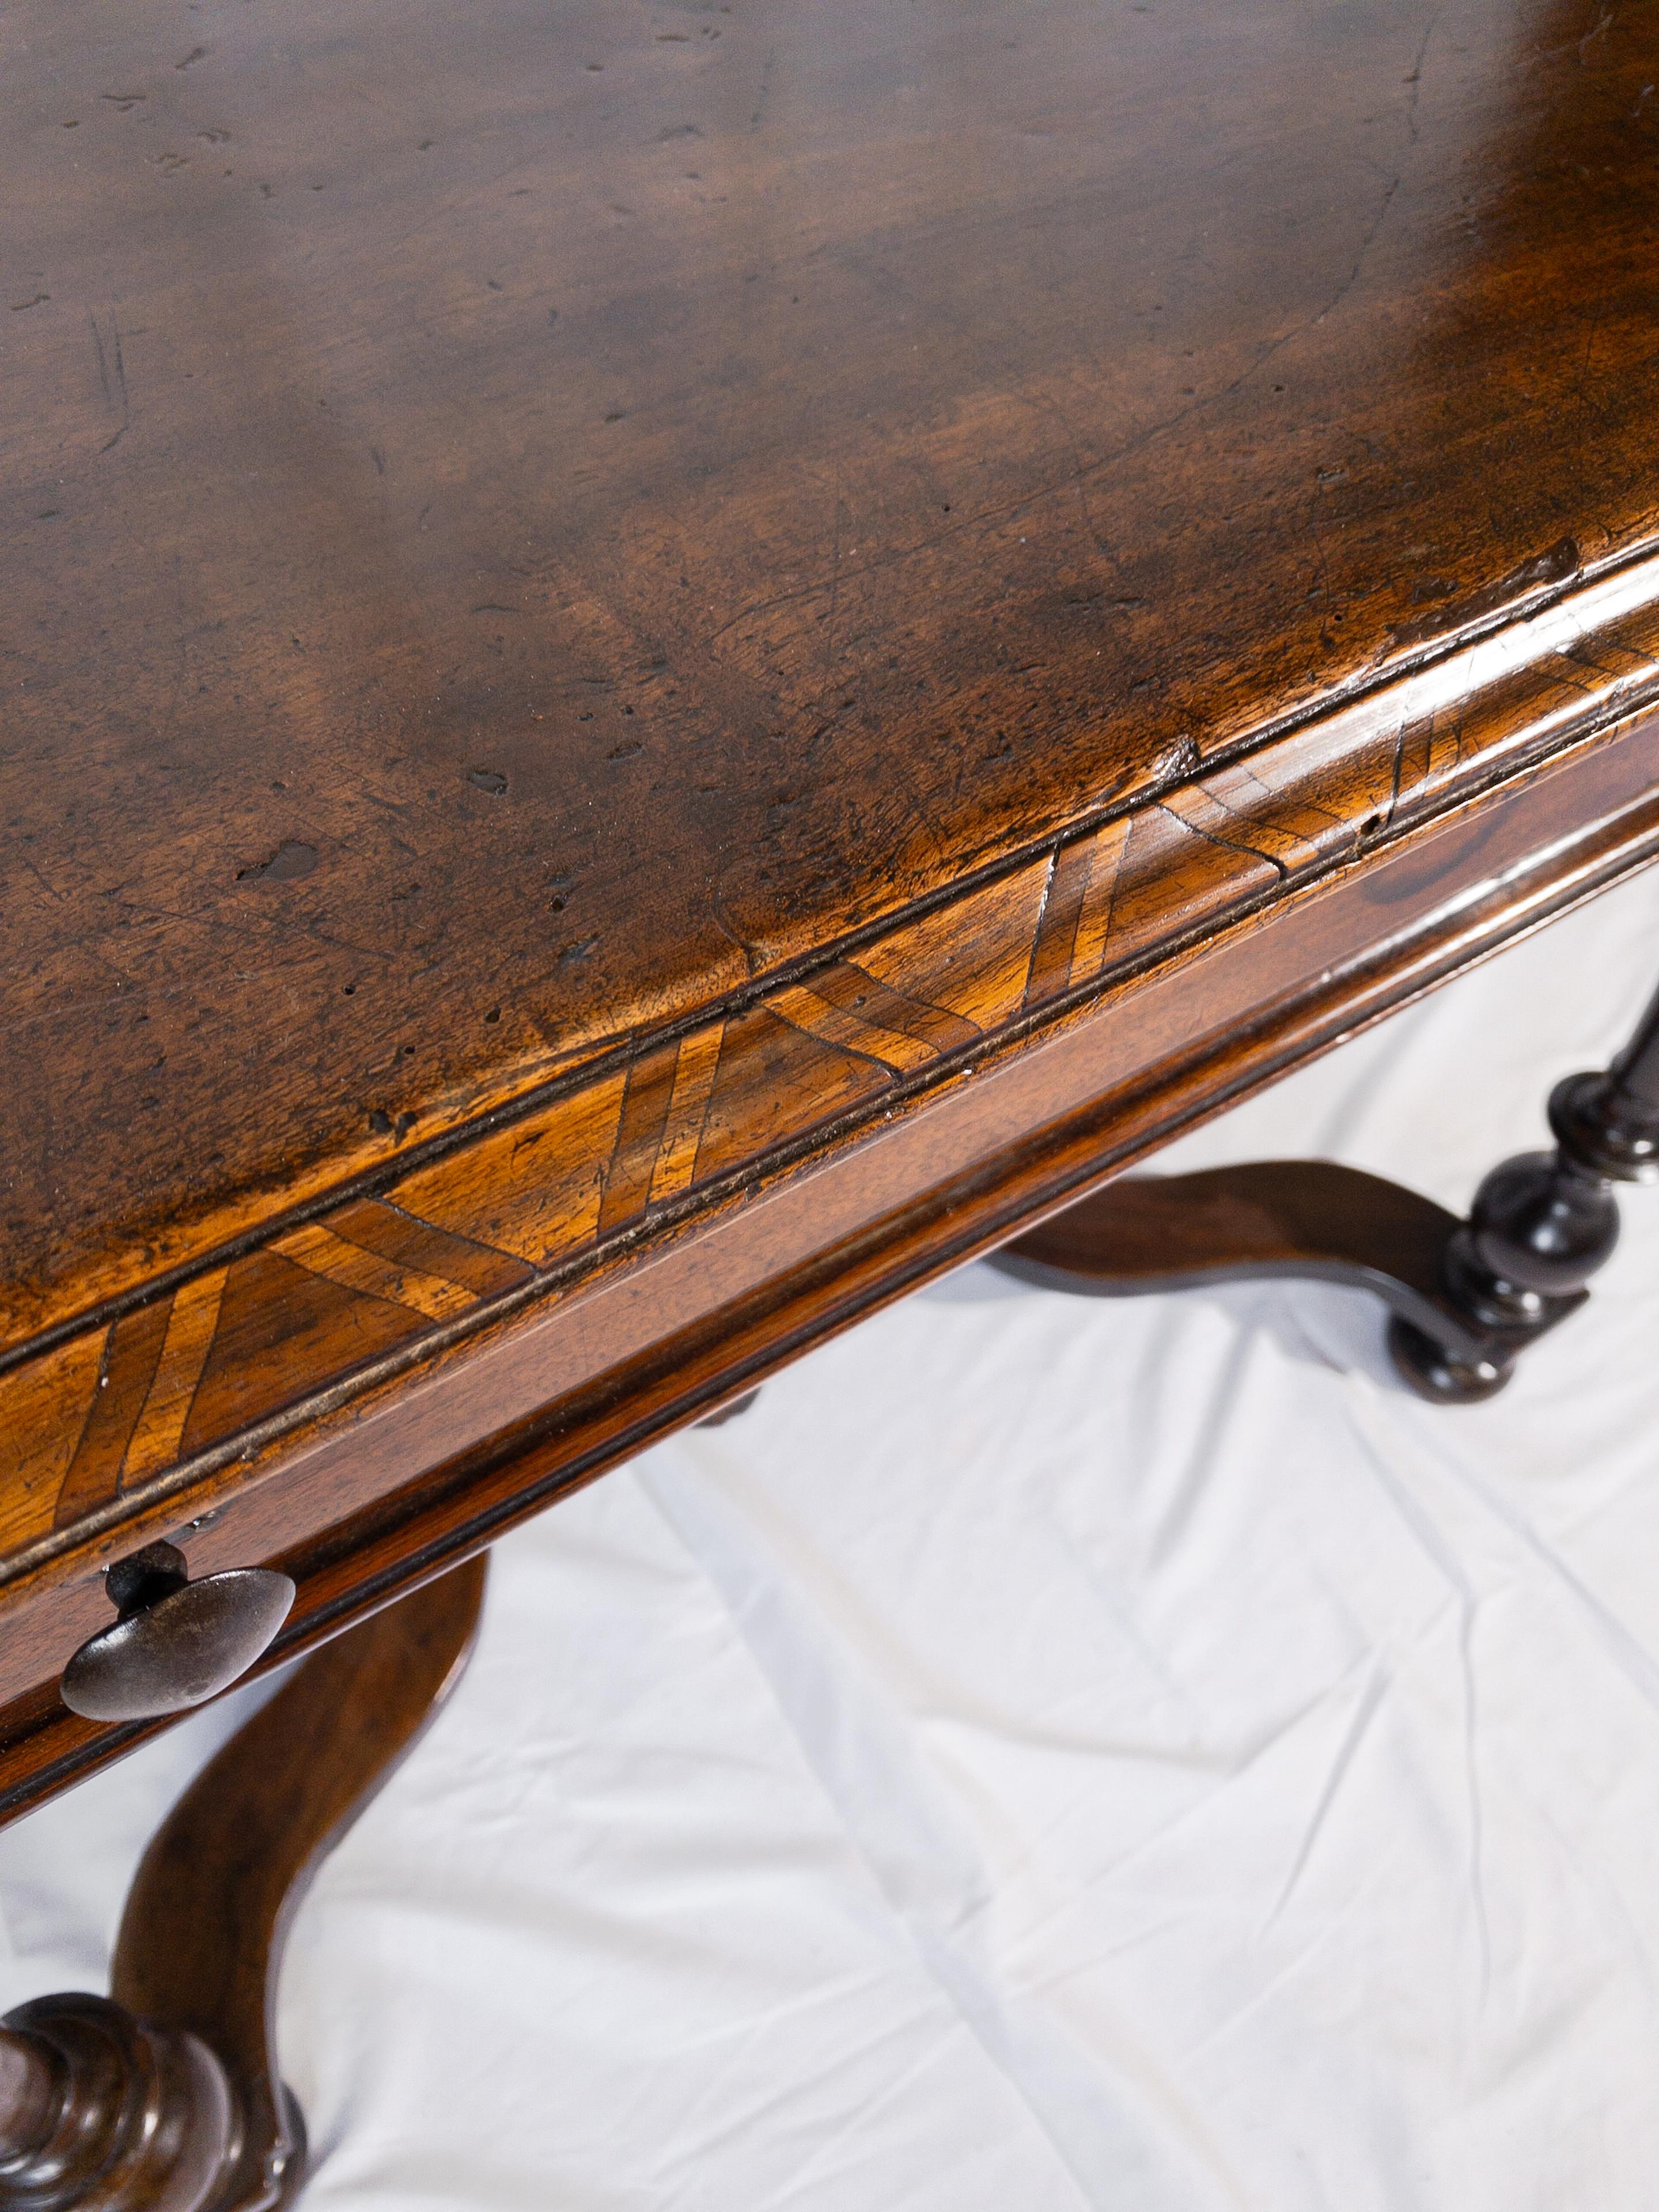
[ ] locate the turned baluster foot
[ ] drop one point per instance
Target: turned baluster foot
(1465, 1296)
(101, 2109)
(165, 2096)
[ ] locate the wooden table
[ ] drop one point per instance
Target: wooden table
(669, 667)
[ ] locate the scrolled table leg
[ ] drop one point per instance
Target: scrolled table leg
(164, 2097)
(1465, 1296)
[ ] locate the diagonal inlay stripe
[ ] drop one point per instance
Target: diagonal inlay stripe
(803, 1010)
(132, 1351)
(195, 1316)
(687, 1107)
(844, 1006)
(410, 1242)
(1052, 948)
(354, 1268)
(647, 1102)
(1206, 809)
(1094, 920)
(888, 1007)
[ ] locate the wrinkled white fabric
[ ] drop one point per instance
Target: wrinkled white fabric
(1052, 1752)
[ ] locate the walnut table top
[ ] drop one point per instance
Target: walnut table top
(668, 665)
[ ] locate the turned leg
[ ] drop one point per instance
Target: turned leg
(164, 2097)
(1543, 1223)
(1465, 1296)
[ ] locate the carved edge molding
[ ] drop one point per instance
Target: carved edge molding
(103, 1410)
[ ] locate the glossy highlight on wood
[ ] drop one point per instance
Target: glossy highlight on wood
(419, 1468)
(523, 524)
(665, 670)
(610, 1153)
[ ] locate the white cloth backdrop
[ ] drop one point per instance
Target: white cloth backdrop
(1050, 1753)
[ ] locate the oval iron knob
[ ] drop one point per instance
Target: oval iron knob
(177, 1642)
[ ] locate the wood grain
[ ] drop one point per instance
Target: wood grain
(522, 527)
(664, 670)
(207, 1919)
(411, 1469)
(610, 1155)
(167, 2096)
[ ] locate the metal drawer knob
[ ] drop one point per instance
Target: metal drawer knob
(177, 1642)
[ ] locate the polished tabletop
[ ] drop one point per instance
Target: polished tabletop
(662, 661)
(523, 519)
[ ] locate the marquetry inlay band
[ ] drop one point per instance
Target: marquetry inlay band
(87, 1420)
